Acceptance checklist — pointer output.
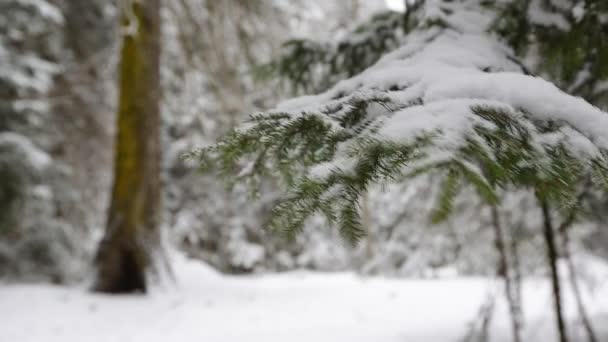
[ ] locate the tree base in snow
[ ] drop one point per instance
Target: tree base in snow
(120, 269)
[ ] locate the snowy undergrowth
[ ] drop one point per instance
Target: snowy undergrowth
(296, 306)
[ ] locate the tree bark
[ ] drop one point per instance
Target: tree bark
(578, 296)
(517, 275)
(552, 257)
(504, 272)
(564, 233)
(132, 233)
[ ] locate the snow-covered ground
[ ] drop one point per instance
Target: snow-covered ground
(298, 306)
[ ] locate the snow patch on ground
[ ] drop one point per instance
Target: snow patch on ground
(297, 306)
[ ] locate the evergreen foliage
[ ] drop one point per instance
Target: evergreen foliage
(503, 147)
(505, 150)
(311, 67)
(46, 213)
(12, 188)
(565, 40)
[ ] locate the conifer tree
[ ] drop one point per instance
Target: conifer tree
(564, 41)
(453, 100)
(44, 198)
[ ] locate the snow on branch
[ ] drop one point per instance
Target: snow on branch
(450, 101)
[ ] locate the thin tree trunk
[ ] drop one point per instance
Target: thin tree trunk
(366, 220)
(576, 289)
(484, 330)
(479, 330)
(504, 272)
(517, 273)
(552, 257)
(565, 239)
(132, 234)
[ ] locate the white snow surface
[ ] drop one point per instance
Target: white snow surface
(297, 306)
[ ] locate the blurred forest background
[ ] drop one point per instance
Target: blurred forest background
(79, 177)
(59, 77)
(59, 91)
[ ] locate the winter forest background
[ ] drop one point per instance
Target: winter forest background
(272, 170)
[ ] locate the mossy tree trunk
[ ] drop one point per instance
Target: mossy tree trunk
(132, 233)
